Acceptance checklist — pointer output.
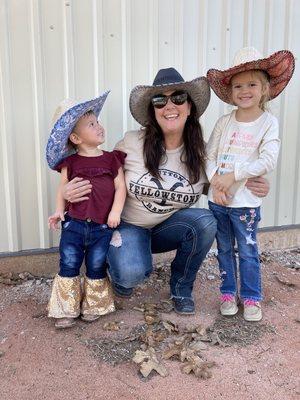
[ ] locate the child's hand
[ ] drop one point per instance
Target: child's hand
(223, 182)
(220, 197)
(113, 219)
(54, 219)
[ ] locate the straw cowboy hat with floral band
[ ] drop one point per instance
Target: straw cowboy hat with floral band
(65, 117)
(279, 67)
(168, 79)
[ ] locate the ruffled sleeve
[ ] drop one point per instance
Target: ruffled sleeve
(118, 160)
(64, 163)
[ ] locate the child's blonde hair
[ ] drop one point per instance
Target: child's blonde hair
(265, 81)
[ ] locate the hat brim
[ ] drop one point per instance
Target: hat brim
(279, 66)
(140, 97)
(57, 147)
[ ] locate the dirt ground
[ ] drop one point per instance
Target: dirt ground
(236, 359)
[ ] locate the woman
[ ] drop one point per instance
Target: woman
(164, 173)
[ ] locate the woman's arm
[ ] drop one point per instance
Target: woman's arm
(114, 216)
(259, 186)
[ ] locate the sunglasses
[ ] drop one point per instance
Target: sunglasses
(178, 98)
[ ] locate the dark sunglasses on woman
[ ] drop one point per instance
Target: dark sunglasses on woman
(178, 98)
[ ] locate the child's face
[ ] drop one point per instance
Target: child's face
(247, 90)
(88, 131)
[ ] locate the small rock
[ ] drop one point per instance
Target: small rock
(1, 353)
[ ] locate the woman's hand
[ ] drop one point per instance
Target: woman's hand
(258, 186)
(76, 190)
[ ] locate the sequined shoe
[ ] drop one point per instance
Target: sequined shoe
(252, 310)
(63, 323)
(228, 305)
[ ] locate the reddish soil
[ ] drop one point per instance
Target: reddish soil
(260, 360)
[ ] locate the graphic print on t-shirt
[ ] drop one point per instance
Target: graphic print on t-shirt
(161, 196)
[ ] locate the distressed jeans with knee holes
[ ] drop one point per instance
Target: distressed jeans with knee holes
(190, 231)
(240, 225)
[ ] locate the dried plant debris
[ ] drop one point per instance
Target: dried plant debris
(237, 331)
(288, 258)
(14, 278)
(116, 351)
(285, 281)
(112, 326)
(149, 362)
(200, 368)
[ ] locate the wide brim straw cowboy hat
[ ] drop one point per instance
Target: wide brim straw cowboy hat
(168, 79)
(65, 118)
(279, 67)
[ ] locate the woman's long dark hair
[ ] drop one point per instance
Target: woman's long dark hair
(194, 153)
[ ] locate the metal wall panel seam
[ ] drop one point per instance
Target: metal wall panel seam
(39, 123)
(9, 169)
(282, 122)
(95, 49)
(202, 48)
(226, 21)
(248, 7)
(125, 45)
(178, 34)
(68, 53)
(100, 55)
(153, 44)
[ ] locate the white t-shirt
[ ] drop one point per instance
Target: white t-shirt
(149, 200)
(248, 149)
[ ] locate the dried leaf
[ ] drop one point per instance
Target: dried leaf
(198, 367)
(198, 346)
(149, 363)
(151, 318)
(170, 326)
(216, 340)
(148, 366)
(111, 326)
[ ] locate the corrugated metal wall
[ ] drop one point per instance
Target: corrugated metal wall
(52, 49)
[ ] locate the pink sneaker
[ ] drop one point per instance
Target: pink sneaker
(228, 305)
(252, 310)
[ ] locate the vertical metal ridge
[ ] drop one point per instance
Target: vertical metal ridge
(38, 122)
(153, 41)
(68, 45)
(9, 168)
(178, 34)
(126, 61)
(202, 41)
(225, 44)
(95, 48)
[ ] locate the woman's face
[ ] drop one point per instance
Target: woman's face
(172, 118)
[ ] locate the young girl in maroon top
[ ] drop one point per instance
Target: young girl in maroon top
(88, 225)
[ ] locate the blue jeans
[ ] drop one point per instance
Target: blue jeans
(189, 231)
(81, 239)
(238, 224)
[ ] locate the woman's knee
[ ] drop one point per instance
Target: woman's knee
(204, 225)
